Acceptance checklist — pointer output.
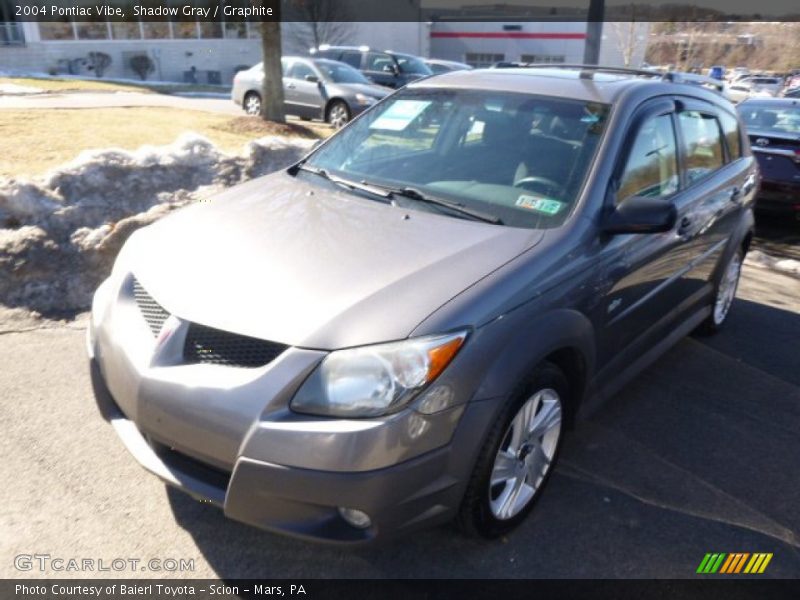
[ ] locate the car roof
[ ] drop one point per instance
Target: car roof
(599, 86)
(325, 47)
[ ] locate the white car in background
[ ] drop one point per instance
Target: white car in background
(754, 87)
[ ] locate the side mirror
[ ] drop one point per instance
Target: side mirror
(640, 214)
(312, 78)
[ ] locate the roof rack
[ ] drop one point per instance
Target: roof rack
(694, 79)
(588, 71)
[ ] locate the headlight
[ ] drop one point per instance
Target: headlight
(376, 380)
(365, 100)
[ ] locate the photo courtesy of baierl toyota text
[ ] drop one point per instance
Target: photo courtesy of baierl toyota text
(426, 299)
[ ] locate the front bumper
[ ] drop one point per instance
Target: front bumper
(226, 436)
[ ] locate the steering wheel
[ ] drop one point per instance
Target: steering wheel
(549, 186)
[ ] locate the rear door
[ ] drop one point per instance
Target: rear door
(717, 181)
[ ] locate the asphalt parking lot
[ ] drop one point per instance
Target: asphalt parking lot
(699, 454)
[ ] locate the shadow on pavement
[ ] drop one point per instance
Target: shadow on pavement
(763, 337)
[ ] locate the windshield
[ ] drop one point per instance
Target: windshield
(411, 64)
(338, 72)
(519, 157)
(771, 119)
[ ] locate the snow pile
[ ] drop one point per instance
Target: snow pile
(59, 236)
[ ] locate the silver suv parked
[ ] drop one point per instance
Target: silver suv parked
(398, 330)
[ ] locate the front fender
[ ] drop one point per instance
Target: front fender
(526, 340)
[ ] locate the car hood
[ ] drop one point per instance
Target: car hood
(284, 260)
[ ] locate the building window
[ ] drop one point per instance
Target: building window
(236, 30)
(542, 59)
(211, 29)
(483, 59)
(56, 30)
(92, 30)
(184, 30)
(156, 30)
(126, 31)
(10, 29)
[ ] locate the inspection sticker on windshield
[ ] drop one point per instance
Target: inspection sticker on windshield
(542, 205)
(400, 114)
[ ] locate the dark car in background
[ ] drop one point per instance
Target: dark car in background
(312, 89)
(384, 67)
(773, 125)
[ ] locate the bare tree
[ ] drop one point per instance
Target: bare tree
(272, 108)
(316, 22)
(628, 40)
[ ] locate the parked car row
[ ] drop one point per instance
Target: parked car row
(313, 88)
(337, 82)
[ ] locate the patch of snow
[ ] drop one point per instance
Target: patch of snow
(59, 235)
(18, 90)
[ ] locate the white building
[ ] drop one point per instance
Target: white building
(213, 52)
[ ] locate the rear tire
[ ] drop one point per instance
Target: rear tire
(252, 103)
(724, 294)
(518, 457)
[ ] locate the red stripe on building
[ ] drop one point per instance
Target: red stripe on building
(515, 35)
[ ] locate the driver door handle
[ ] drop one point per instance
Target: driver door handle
(749, 184)
(736, 193)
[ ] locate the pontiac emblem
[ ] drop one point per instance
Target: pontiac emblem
(762, 142)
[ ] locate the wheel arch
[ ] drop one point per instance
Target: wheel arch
(563, 337)
(331, 102)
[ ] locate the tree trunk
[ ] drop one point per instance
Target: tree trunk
(272, 88)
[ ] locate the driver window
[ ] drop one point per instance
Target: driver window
(652, 167)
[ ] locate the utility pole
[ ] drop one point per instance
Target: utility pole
(594, 32)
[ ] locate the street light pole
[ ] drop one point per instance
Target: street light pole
(594, 32)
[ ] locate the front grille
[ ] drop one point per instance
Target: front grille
(213, 346)
(154, 314)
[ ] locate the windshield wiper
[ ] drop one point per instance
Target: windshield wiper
(419, 195)
(353, 185)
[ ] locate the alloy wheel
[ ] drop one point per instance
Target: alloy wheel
(726, 291)
(252, 104)
(525, 455)
(338, 115)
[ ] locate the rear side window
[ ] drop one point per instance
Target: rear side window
(351, 58)
(703, 144)
(652, 167)
(730, 127)
(379, 62)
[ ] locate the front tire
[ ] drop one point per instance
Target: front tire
(338, 114)
(724, 294)
(518, 456)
